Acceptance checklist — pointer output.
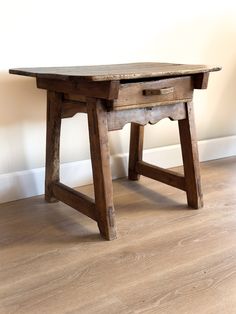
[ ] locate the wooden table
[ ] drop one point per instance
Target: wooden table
(113, 95)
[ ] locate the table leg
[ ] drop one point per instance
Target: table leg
(100, 157)
(54, 102)
(189, 148)
(135, 149)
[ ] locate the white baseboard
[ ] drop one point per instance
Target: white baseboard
(23, 184)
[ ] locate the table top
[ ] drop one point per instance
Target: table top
(115, 71)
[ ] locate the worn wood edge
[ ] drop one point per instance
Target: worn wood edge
(202, 69)
(151, 104)
(154, 80)
(166, 176)
(82, 203)
(160, 74)
(21, 72)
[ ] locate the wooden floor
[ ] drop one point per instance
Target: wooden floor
(168, 259)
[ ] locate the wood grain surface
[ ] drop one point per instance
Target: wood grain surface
(139, 94)
(117, 119)
(52, 173)
(100, 158)
(115, 71)
(135, 149)
(189, 147)
(167, 260)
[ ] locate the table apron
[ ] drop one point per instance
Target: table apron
(117, 119)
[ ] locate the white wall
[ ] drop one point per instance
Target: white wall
(74, 32)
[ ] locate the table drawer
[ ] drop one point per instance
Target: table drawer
(160, 92)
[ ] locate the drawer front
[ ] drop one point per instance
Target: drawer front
(159, 92)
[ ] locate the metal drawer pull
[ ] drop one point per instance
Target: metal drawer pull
(160, 91)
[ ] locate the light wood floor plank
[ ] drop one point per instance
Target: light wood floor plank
(167, 259)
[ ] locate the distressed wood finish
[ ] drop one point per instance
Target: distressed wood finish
(52, 175)
(135, 149)
(111, 96)
(141, 93)
(163, 175)
(100, 157)
(77, 200)
(129, 71)
(70, 108)
(143, 116)
(189, 148)
(105, 90)
(201, 80)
